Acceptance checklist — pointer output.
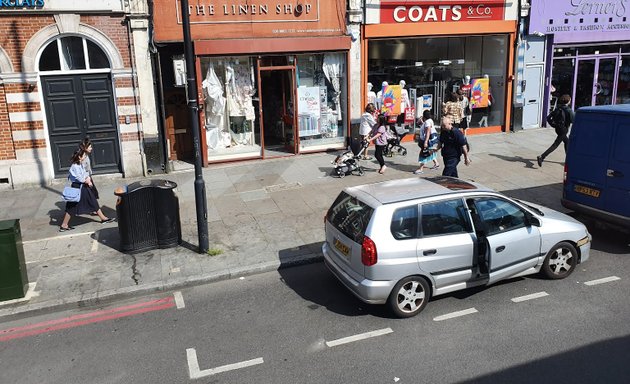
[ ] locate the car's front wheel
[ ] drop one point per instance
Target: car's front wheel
(560, 261)
(409, 296)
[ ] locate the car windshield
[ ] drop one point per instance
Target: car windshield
(350, 216)
(538, 211)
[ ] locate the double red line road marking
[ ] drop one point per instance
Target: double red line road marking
(86, 318)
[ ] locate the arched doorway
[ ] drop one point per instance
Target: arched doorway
(79, 101)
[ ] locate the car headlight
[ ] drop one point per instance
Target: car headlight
(583, 241)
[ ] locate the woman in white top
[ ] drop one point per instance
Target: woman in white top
(427, 139)
(367, 124)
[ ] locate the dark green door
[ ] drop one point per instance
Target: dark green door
(79, 106)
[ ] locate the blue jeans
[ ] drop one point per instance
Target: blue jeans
(450, 166)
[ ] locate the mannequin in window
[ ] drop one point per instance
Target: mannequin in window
(464, 92)
(379, 95)
(465, 87)
(486, 111)
(371, 95)
(404, 95)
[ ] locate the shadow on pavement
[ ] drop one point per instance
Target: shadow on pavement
(548, 195)
(315, 284)
(528, 163)
(56, 215)
(601, 362)
(108, 237)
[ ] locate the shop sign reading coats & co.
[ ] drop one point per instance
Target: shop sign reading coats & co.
(430, 11)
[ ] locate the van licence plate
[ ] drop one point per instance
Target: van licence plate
(341, 247)
(587, 191)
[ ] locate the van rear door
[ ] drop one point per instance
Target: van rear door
(587, 159)
(617, 199)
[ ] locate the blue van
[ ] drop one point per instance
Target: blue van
(597, 168)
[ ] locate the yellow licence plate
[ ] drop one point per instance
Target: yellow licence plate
(586, 191)
(341, 247)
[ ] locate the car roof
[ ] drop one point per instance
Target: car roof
(616, 109)
(393, 191)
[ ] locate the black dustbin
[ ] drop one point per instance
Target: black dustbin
(13, 277)
(148, 216)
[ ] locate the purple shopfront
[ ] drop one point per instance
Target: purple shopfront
(588, 48)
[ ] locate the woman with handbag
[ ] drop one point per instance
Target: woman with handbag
(86, 146)
(79, 179)
(427, 141)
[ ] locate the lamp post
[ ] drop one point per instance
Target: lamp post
(191, 86)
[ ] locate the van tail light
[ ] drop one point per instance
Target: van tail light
(368, 252)
(564, 177)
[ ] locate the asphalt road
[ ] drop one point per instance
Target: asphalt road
(299, 325)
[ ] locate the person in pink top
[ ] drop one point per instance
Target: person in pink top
(379, 137)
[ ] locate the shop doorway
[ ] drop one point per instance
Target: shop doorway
(533, 96)
(277, 106)
(595, 81)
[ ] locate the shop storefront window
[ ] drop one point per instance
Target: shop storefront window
(435, 67)
(623, 84)
(598, 49)
(231, 125)
(322, 95)
(596, 75)
(564, 52)
(562, 79)
(233, 98)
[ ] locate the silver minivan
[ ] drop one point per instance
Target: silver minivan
(402, 242)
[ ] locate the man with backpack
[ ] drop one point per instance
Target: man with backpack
(560, 119)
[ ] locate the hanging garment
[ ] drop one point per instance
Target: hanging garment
(213, 97)
(332, 67)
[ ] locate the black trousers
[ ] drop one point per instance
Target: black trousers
(378, 153)
(561, 138)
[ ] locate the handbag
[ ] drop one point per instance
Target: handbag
(426, 152)
(71, 194)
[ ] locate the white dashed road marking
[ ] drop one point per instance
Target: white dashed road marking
(196, 373)
(455, 314)
(358, 337)
(530, 297)
(602, 281)
(179, 300)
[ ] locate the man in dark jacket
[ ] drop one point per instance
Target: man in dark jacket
(453, 144)
(561, 131)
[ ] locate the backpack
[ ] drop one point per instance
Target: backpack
(557, 118)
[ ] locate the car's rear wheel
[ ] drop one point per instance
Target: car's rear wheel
(409, 296)
(560, 261)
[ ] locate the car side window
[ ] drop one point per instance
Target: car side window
(444, 217)
(499, 215)
(405, 223)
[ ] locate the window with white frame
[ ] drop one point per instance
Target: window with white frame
(70, 53)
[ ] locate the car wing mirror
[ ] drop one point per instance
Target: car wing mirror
(534, 221)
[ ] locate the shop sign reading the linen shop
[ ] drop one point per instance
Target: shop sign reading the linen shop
(251, 11)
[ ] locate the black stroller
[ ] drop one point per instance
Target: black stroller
(397, 132)
(348, 162)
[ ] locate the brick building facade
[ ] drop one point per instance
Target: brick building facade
(71, 69)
